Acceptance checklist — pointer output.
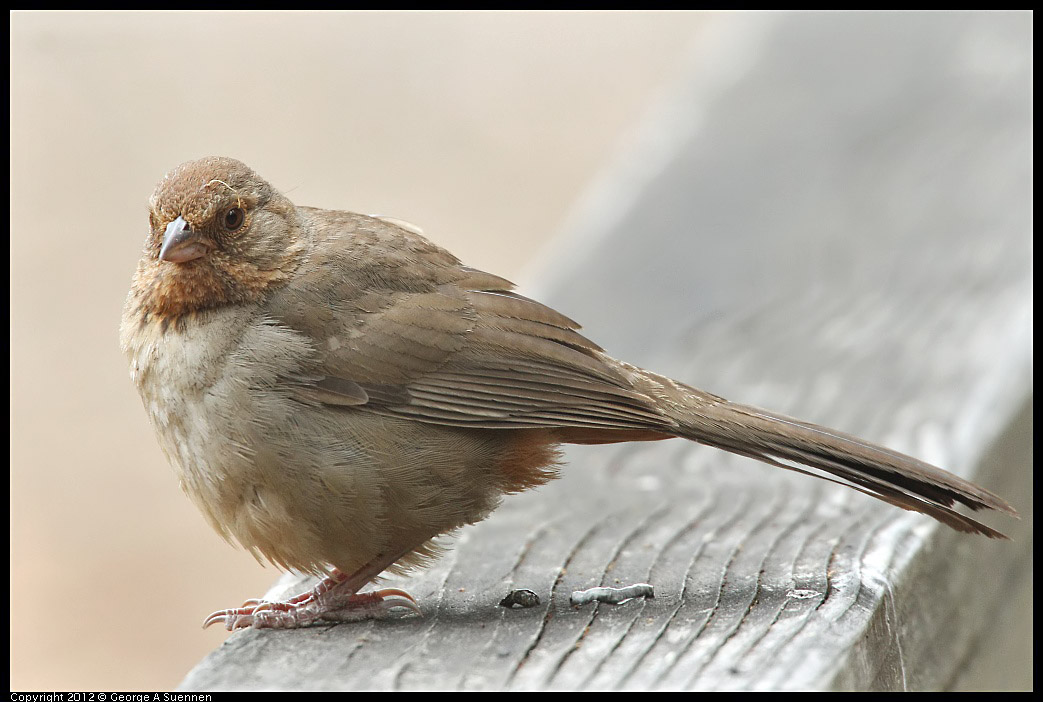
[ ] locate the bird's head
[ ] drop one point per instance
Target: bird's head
(219, 234)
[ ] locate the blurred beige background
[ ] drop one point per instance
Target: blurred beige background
(483, 128)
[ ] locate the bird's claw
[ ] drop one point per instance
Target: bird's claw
(302, 611)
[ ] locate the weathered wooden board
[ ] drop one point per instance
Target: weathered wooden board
(832, 219)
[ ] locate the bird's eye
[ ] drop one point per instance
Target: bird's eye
(234, 218)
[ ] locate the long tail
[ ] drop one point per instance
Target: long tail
(774, 438)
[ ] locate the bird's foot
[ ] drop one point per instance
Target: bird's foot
(324, 604)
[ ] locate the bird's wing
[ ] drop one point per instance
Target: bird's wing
(407, 330)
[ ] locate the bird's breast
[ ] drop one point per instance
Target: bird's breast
(216, 393)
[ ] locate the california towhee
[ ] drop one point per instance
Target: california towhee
(335, 391)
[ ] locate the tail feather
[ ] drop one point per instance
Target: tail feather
(779, 440)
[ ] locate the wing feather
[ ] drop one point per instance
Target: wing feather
(418, 334)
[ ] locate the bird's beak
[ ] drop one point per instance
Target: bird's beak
(181, 244)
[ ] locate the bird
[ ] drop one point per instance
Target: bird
(334, 391)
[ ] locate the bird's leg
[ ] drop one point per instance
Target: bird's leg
(335, 599)
(335, 578)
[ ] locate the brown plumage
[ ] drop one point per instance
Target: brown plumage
(335, 391)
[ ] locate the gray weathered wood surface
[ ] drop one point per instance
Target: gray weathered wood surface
(832, 219)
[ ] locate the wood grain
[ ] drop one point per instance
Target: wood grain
(840, 233)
